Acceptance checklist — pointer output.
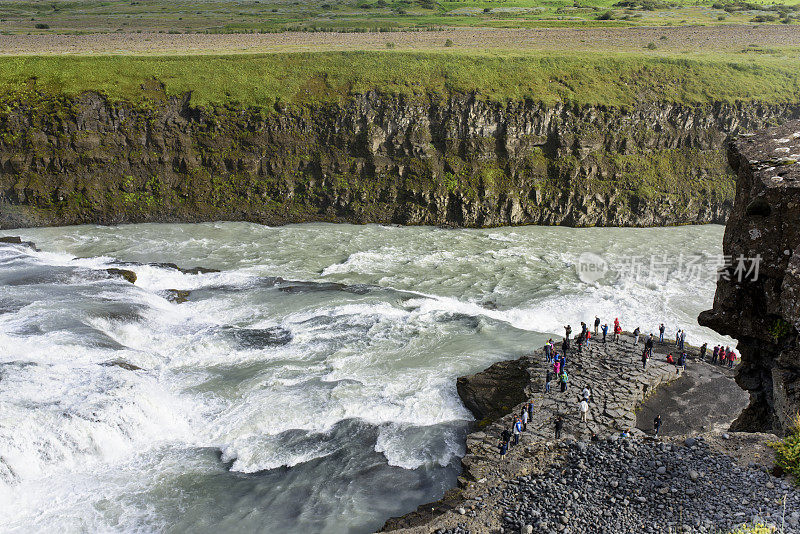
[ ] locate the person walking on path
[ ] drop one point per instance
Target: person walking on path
(559, 425)
(557, 367)
(584, 409)
(517, 430)
(731, 359)
(703, 349)
(714, 354)
(506, 435)
(656, 425)
(644, 359)
(661, 333)
(547, 380)
(605, 331)
(636, 336)
(530, 410)
(596, 324)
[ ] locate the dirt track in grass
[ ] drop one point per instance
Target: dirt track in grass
(751, 39)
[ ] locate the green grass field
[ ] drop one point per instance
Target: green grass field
(216, 16)
(309, 78)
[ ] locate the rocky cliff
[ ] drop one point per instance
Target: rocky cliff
(431, 159)
(763, 312)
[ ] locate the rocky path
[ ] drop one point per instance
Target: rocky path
(614, 375)
(691, 483)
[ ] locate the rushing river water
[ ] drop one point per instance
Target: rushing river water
(309, 386)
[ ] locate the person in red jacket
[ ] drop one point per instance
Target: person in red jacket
(670, 359)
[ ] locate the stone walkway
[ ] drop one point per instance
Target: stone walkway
(612, 372)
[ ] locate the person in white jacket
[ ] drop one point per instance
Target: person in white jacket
(584, 408)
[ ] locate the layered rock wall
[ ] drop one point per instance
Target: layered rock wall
(763, 312)
(453, 160)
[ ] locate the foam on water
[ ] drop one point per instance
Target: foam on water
(324, 404)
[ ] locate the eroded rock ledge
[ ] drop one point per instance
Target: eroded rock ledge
(434, 159)
(764, 314)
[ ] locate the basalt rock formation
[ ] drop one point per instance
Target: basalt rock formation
(432, 159)
(763, 312)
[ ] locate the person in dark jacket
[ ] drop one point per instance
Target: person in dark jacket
(656, 425)
(559, 426)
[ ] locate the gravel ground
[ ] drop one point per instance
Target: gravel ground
(688, 39)
(648, 486)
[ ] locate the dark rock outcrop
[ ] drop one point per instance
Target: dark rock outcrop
(16, 240)
(125, 274)
(431, 159)
(763, 312)
(494, 392)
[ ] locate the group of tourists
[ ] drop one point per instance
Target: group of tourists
(723, 355)
(556, 358)
(510, 437)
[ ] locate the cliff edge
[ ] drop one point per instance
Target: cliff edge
(761, 307)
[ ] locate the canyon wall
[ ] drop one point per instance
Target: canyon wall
(440, 160)
(763, 311)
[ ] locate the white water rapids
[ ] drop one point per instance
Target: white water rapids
(309, 386)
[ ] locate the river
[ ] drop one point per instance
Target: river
(309, 385)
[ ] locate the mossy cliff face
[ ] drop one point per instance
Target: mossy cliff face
(375, 158)
(763, 312)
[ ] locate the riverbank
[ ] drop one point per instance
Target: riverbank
(489, 497)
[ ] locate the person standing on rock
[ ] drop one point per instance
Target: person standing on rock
(505, 436)
(530, 411)
(524, 418)
(503, 446)
(517, 430)
(605, 331)
(547, 349)
(559, 426)
(677, 337)
(636, 336)
(731, 359)
(644, 359)
(557, 367)
(661, 333)
(683, 339)
(617, 332)
(703, 349)
(564, 379)
(714, 354)
(656, 425)
(584, 409)
(565, 345)
(648, 346)
(547, 380)
(568, 330)
(596, 324)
